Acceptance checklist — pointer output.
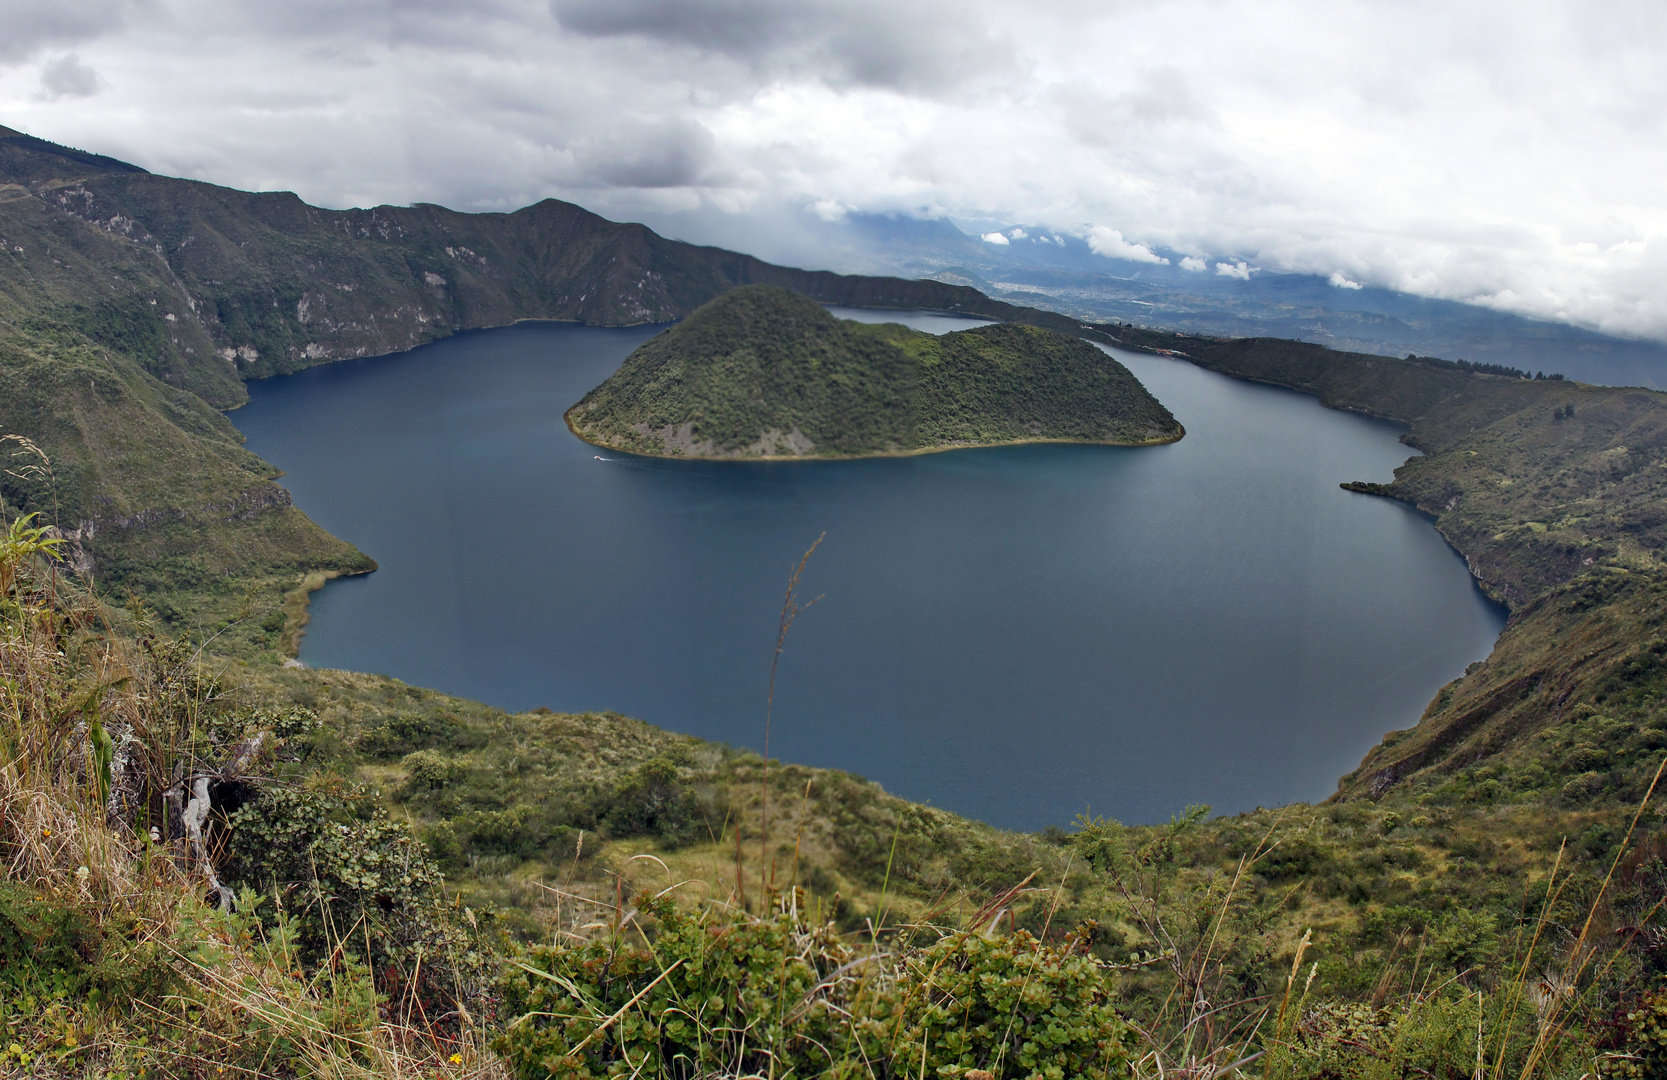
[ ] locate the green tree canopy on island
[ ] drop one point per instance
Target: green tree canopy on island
(762, 372)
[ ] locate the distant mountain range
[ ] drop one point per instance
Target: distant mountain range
(1042, 268)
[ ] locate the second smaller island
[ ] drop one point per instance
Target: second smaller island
(762, 373)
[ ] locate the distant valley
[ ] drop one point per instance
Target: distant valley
(1062, 272)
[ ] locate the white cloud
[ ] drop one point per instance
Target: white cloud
(994, 238)
(1110, 243)
(830, 210)
(1017, 234)
(1193, 264)
(1238, 270)
(1493, 152)
(1341, 282)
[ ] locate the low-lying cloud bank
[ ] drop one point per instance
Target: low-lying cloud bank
(1499, 154)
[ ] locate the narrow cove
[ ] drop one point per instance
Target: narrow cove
(1015, 634)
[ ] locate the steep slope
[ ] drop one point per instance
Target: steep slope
(763, 372)
(104, 366)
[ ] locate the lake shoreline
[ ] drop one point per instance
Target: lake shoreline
(567, 418)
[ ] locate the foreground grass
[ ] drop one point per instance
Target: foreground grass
(112, 963)
(614, 906)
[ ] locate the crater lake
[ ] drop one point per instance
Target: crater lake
(1015, 634)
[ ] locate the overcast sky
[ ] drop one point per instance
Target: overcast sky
(1511, 154)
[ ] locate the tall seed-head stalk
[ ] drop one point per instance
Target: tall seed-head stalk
(37, 467)
(1580, 955)
(790, 610)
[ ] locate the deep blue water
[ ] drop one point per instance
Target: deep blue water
(1014, 634)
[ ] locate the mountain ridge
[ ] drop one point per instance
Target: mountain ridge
(424, 270)
(134, 306)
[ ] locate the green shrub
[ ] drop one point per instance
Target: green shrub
(1434, 1037)
(1464, 939)
(50, 949)
(404, 732)
(779, 997)
(653, 801)
(427, 770)
(1292, 859)
(1585, 786)
(1011, 1006)
(1583, 758)
(519, 832)
(36, 930)
(739, 997)
(1488, 791)
(335, 861)
(1643, 1051)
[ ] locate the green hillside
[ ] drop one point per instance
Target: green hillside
(761, 372)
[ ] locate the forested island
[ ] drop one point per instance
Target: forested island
(764, 373)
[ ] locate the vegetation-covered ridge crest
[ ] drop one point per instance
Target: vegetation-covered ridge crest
(763, 373)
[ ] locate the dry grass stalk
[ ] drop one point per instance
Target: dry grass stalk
(791, 609)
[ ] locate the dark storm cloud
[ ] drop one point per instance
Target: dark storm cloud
(67, 76)
(1490, 152)
(442, 24)
(27, 26)
(666, 155)
(917, 46)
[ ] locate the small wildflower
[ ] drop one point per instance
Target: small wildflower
(456, 1059)
(46, 832)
